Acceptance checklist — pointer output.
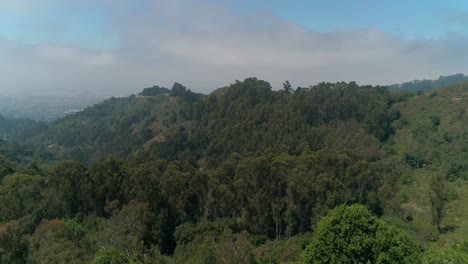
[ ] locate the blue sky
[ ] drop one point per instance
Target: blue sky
(84, 27)
(411, 19)
(120, 46)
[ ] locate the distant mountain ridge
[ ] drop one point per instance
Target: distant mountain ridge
(426, 85)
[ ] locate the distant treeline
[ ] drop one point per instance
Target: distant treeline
(426, 85)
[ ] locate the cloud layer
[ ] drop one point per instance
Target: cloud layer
(206, 45)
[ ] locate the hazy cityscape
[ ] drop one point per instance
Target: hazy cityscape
(44, 107)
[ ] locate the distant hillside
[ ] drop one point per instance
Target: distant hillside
(12, 130)
(425, 85)
(17, 129)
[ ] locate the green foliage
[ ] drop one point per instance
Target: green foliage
(15, 152)
(185, 94)
(155, 90)
(283, 250)
(249, 117)
(19, 194)
(351, 234)
(187, 232)
(445, 256)
(245, 117)
(117, 126)
(6, 168)
(14, 240)
(217, 248)
(57, 242)
(433, 144)
(288, 87)
(111, 256)
(439, 195)
(19, 129)
(127, 230)
(74, 231)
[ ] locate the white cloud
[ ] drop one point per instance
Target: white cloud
(205, 45)
(24, 5)
(75, 56)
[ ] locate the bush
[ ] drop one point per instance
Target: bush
(351, 234)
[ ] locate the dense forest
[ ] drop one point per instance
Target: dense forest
(331, 173)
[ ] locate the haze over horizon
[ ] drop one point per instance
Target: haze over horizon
(116, 47)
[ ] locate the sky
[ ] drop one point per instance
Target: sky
(118, 47)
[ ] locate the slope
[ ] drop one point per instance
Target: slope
(432, 142)
(116, 127)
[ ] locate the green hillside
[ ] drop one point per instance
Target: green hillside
(117, 126)
(432, 139)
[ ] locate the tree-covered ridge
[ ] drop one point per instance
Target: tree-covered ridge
(244, 118)
(426, 85)
(155, 90)
(248, 117)
(177, 90)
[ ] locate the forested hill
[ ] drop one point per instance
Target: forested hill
(426, 85)
(245, 174)
(246, 117)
